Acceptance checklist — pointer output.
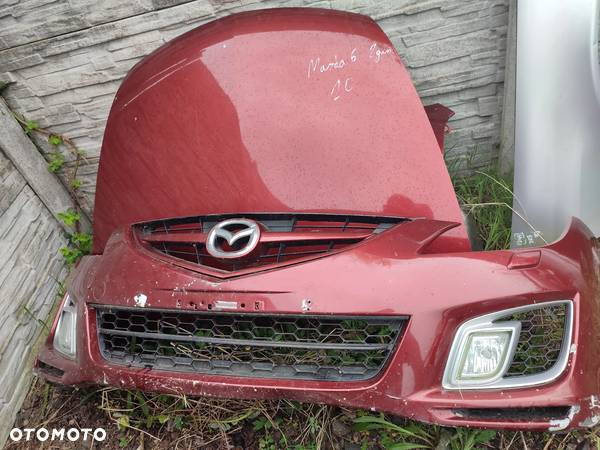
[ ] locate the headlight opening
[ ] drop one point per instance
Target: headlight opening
(65, 335)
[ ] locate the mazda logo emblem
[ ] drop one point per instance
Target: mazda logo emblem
(233, 231)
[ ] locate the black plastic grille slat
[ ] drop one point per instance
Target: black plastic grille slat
(255, 345)
(280, 222)
(540, 341)
(324, 246)
(514, 414)
(267, 253)
(50, 370)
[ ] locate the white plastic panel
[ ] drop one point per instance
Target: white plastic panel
(557, 133)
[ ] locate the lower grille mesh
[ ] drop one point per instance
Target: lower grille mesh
(253, 345)
(540, 341)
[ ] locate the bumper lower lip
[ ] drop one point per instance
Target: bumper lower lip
(433, 406)
(471, 284)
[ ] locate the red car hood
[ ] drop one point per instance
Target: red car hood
(287, 110)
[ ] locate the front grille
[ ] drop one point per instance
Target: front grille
(286, 237)
(540, 341)
(249, 345)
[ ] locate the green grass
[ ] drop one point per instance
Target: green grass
(413, 435)
(135, 419)
(487, 198)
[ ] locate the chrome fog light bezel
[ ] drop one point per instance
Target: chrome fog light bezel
(492, 322)
(68, 309)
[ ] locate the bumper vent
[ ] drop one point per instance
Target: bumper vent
(538, 355)
(286, 238)
(540, 341)
(514, 414)
(249, 345)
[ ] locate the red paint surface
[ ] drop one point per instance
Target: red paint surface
(385, 275)
(202, 128)
(439, 115)
(227, 119)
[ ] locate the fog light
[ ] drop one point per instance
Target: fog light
(484, 355)
(481, 353)
(66, 328)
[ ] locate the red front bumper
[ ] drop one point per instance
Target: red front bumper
(437, 291)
